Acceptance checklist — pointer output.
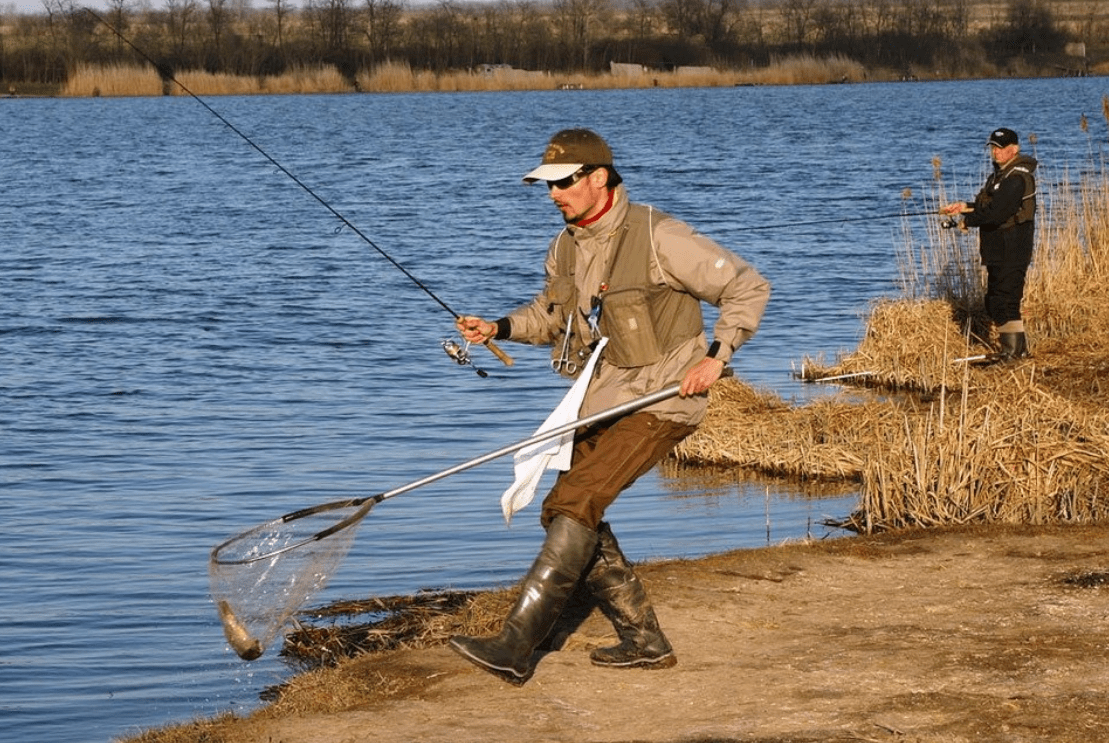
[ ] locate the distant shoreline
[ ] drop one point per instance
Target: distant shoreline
(126, 81)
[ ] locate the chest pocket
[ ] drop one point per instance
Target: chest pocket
(626, 320)
(561, 293)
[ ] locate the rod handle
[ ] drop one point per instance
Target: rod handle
(496, 351)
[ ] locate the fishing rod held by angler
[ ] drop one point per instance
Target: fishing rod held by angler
(167, 74)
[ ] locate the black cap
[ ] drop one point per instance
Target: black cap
(1002, 138)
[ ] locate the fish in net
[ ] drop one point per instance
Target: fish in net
(260, 578)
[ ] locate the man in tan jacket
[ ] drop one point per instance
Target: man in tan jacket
(636, 276)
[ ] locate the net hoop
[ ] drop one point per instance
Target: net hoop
(244, 548)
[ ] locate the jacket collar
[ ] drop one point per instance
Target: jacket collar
(1028, 162)
(609, 222)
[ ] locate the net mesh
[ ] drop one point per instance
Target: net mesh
(261, 577)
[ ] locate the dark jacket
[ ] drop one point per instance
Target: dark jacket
(1004, 212)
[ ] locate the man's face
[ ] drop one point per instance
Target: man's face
(1002, 155)
(583, 198)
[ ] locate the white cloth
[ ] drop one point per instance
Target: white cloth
(554, 453)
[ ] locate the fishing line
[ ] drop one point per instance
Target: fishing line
(836, 221)
(167, 74)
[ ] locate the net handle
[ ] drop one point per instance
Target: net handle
(541, 436)
(368, 502)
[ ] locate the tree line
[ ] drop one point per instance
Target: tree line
(953, 38)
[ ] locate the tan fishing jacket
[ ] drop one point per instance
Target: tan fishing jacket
(681, 260)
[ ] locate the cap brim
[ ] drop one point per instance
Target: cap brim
(553, 172)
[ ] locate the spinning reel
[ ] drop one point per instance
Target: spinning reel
(461, 355)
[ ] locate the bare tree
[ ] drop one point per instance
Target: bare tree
(332, 20)
(280, 13)
(180, 17)
(70, 31)
(682, 17)
(382, 27)
(528, 35)
(839, 23)
(718, 21)
(644, 18)
(797, 17)
(217, 24)
(879, 16)
(577, 18)
(119, 16)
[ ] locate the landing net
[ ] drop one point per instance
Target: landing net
(261, 578)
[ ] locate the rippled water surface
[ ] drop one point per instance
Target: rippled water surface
(191, 345)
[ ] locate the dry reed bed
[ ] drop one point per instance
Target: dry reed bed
(945, 437)
(757, 431)
(959, 443)
(394, 77)
(143, 80)
(1011, 453)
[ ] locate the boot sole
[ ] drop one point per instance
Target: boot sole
(647, 664)
(504, 674)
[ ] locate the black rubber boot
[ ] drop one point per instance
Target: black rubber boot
(1013, 346)
(624, 601)
(548, 585)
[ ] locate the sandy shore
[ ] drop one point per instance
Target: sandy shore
(986, 634)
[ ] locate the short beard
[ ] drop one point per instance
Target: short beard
(571, 218)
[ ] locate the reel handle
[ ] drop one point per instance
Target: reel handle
(496, 351)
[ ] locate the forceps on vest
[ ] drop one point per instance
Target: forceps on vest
(564, 364)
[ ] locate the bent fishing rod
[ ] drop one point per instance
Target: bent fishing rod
(459, 353)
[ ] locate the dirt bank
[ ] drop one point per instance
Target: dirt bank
(987, 634)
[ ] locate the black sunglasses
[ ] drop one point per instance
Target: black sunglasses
(564, 183)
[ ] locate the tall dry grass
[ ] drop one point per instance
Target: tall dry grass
(805, 69)
(143, 80)
(1015, 454)
(89, 81)
(399, 77)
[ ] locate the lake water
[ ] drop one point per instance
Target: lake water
(192, 346)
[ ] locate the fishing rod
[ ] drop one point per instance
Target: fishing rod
(837, 221)
(459, 353)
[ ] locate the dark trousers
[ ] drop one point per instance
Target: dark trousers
(607, 459)
(1004, 290)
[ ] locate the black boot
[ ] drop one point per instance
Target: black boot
(1013, 346)
(624, 601)
(550, 582)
